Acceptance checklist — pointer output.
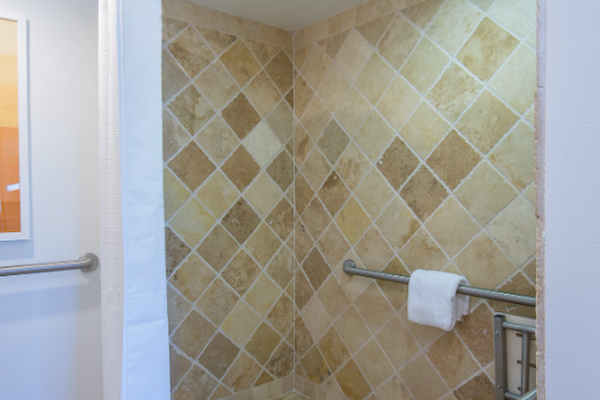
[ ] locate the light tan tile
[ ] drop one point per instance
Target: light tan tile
(485, 193)
(452, 359)
(240, 324)
(398, 102)
(192, 53)
(354, 54)
(263, 244)
(262, 295)
(352, 166)
(421, 252)
(262, 144)
(218, 355)
(192, 222)
(424, 129)
(174, 136)
(196, 384)
(352, 221)
(333, 245)
(423, 12)
(242, 373)
(240, 63)
(518, 16)
(352, 110)
(332, 297)
(316, 218)
(281, 120)
(488, 47)
(280, 69)
(516, 80)
(397, 223)
(373, 250)
(217, 140)
(453, 93)
(173, 77)
(281, 219)
(486, 121)
(374, 136)
(333, 44)
(179, 365)
(374, 307)
(191, 109)
(263, 194)
(520, 285)
(483, 263)
(315, 169)
(315, 318)
(192, 278)
(192, 166)
(216, 84)
(452, 226)
(374, 78)
(315, 367)
(281, 267)
(515, 230)
(316, 269)
(342, 21)
(315, 66)
(453, 23)
(373, 31)
(396, 342)
(424, 65)
(175, 193)
(303, 145)
(393, 389)
(515, 156)
(374, 193)
(476, 330)
(374, 363)
(176, 250)
(352, 381)
(315, 118)
(423, 193)
(398, 41)
(334, 87)
(218, 41)
(193, 334)
(531, 194)
(422, 380)
(262, 93)
(333, 193)
(352, 329)
(281, 315)
(478, 387)
(334, 350)
(218, 194)
(171, 27)
(261, 50)
(217, 301)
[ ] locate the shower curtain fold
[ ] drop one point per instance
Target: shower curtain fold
(134, 312)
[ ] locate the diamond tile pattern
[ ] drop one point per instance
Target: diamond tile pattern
(412, 147)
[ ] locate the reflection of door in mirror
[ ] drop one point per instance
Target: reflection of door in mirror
(10, 219)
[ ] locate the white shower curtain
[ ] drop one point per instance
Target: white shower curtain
(134, 310)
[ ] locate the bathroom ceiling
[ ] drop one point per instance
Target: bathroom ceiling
(287, 14)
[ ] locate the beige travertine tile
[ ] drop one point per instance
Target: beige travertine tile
(241, 116)
(220, 392)
(303, 193)
(478, 388)
(281, 267)
(217, 248)
(261, 50)
(192, 278)
(515, 156)
(374, 136)
(352, 221)
(241, 221)
(397, 163)
(315, 118)
(396, 294)
(452, 226)
(242, 373)
(353, 54)
(280, 70)
(398, 41)
(342, 21)
(373, 250)
(530, 270)
(352, 166)
(317, 31)
(333, 193)
(518, 16)
(303, 290)
(474, 193)
(281, 121)
(281, 316)
(241, 168)
(453, 93)
(192, 166)
(262, 295)
(193, 334)
(315, 366)
(398, 102)
(300, 54)
(393, 389)
(352, 110)
(421, 252)
(486, 50)
(333, 88)
(452, 359)
(192, 53)
(483, 4)
(424, 129)
(422, 14)
(239, 62)
(217, 139)
(316, 269)
(486, 121)
(174, 136)
(516, 80)
(192, 222)
(240, 324)
(262, 144)
(217, 301)
(218, 355)
(280, 365)
(424, 65)
(315, 318)
(191, 109)
(302, 339)
(374, 307)
(333, 298)
(218, 41)
(263, 244)
(520, 285)
(216, 84)
(333, 44)
(396, 342)
(422, 380)
(173, 77)
(476, 330)
(171, 27)
(303, 145)
(262, 93)
(334, 350)
(374, 193)
(175, 193)
(179, 365)
(196, 384)
(333, 245)
(178, 307)
(315, 66)
(453, 159)
(374, 78)
(315, 169)
(352, 329)
(423, 193)
(263, 194)
(515, 230)
(281, 219)
(373, 31)
(374, 363)
(316, 218)
(176, 250)
(483, 263)
(263, 343)
(453, 24)
(217, 194)
(352, 381)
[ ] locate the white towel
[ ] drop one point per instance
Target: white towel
(433, 301)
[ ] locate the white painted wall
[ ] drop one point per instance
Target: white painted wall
(572, 200)
(50, 323)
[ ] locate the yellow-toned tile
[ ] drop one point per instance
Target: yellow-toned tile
(393, 389)
(217, 139)
(374, 363)
(453, 93)
(398, 102)
(352, 381)
(173, 77)
(421, 252)
(218, 194)
(452, 359)
(192, 222)
(262, 51)
(334, 87)
(515, 156)
(374, 307)
(424, 129)
(263, 295)
(352, 220)
(373, 250)
(191, 109)
(516, 82)
(396, 342)
(333, 297)
(374, 193)
(263, 194)
(334, 350)
(424, 65)
(175, 194)
(333, 44)
(315, 66)
(263, 244)
(302, 96)
(397, 223)
(218, 41)
(216, 84)
(374, 78)
(262, 93)
(422, 380)
(352, 329)
(354, 54)
(398, 41)
(453, 159)
(453, 23)
(452, 226)
(315, 317)
(192, 53)
(240, 63)
(315, 169)
(352, 166)
(374, 136)
(531, 194)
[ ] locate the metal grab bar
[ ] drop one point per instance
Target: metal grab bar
(350, 269)
(87, 262)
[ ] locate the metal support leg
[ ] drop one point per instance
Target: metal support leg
(525, 360)
(500, 357)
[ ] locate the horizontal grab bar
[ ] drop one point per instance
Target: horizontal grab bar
(351, 269)
(87, 262)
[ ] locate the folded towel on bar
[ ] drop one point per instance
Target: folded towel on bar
(433, 301)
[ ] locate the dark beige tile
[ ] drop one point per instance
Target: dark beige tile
(192, 278)
(218, 248)
(374, 364)
(218, 41)
(197, 384)
(304, 194)
(282, 315)
(262, 51)
(241, 168)
(334, 350)
(315, 367)
(396, 294)
(281, 268)
(176, 250)
(452, 359)
(192, 53)
(262, 343)
(316, 268)
(352, 381)
(193, 334)
(453, 159)
(352, 329)
(316, 218)
(281, 219)
(520, 285)
(333, 142)
(396, 342)
(282, 170)
(217, 301)
(263, 244)
(422, 380)
(174, 136)
(374, 307)
(478, 388)
(178, 307)
(192, 166)
(241, 221)
(303, 291)
(302, 339)
(218, 355)
(280, 69)
(240, 63)
(241, 116)
(454, 91)
(241, 272)
(217, 140)
(242, 373)
(422, 13)
(303, 96)
(423, 193)
(303, 242)
(173, 77)
(281, 121)
(179, 365)
(333, 245)
(398, 41)
(397, 163)
(333, 193)
(373, 31)
(281, 363)
(476, 331)
(191, 109)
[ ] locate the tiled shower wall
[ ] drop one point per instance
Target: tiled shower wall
(228, 143)
(414, 149)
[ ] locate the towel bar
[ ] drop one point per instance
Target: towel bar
(87, 262)
(351, 269)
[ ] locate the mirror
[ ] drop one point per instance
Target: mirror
(14, 162)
